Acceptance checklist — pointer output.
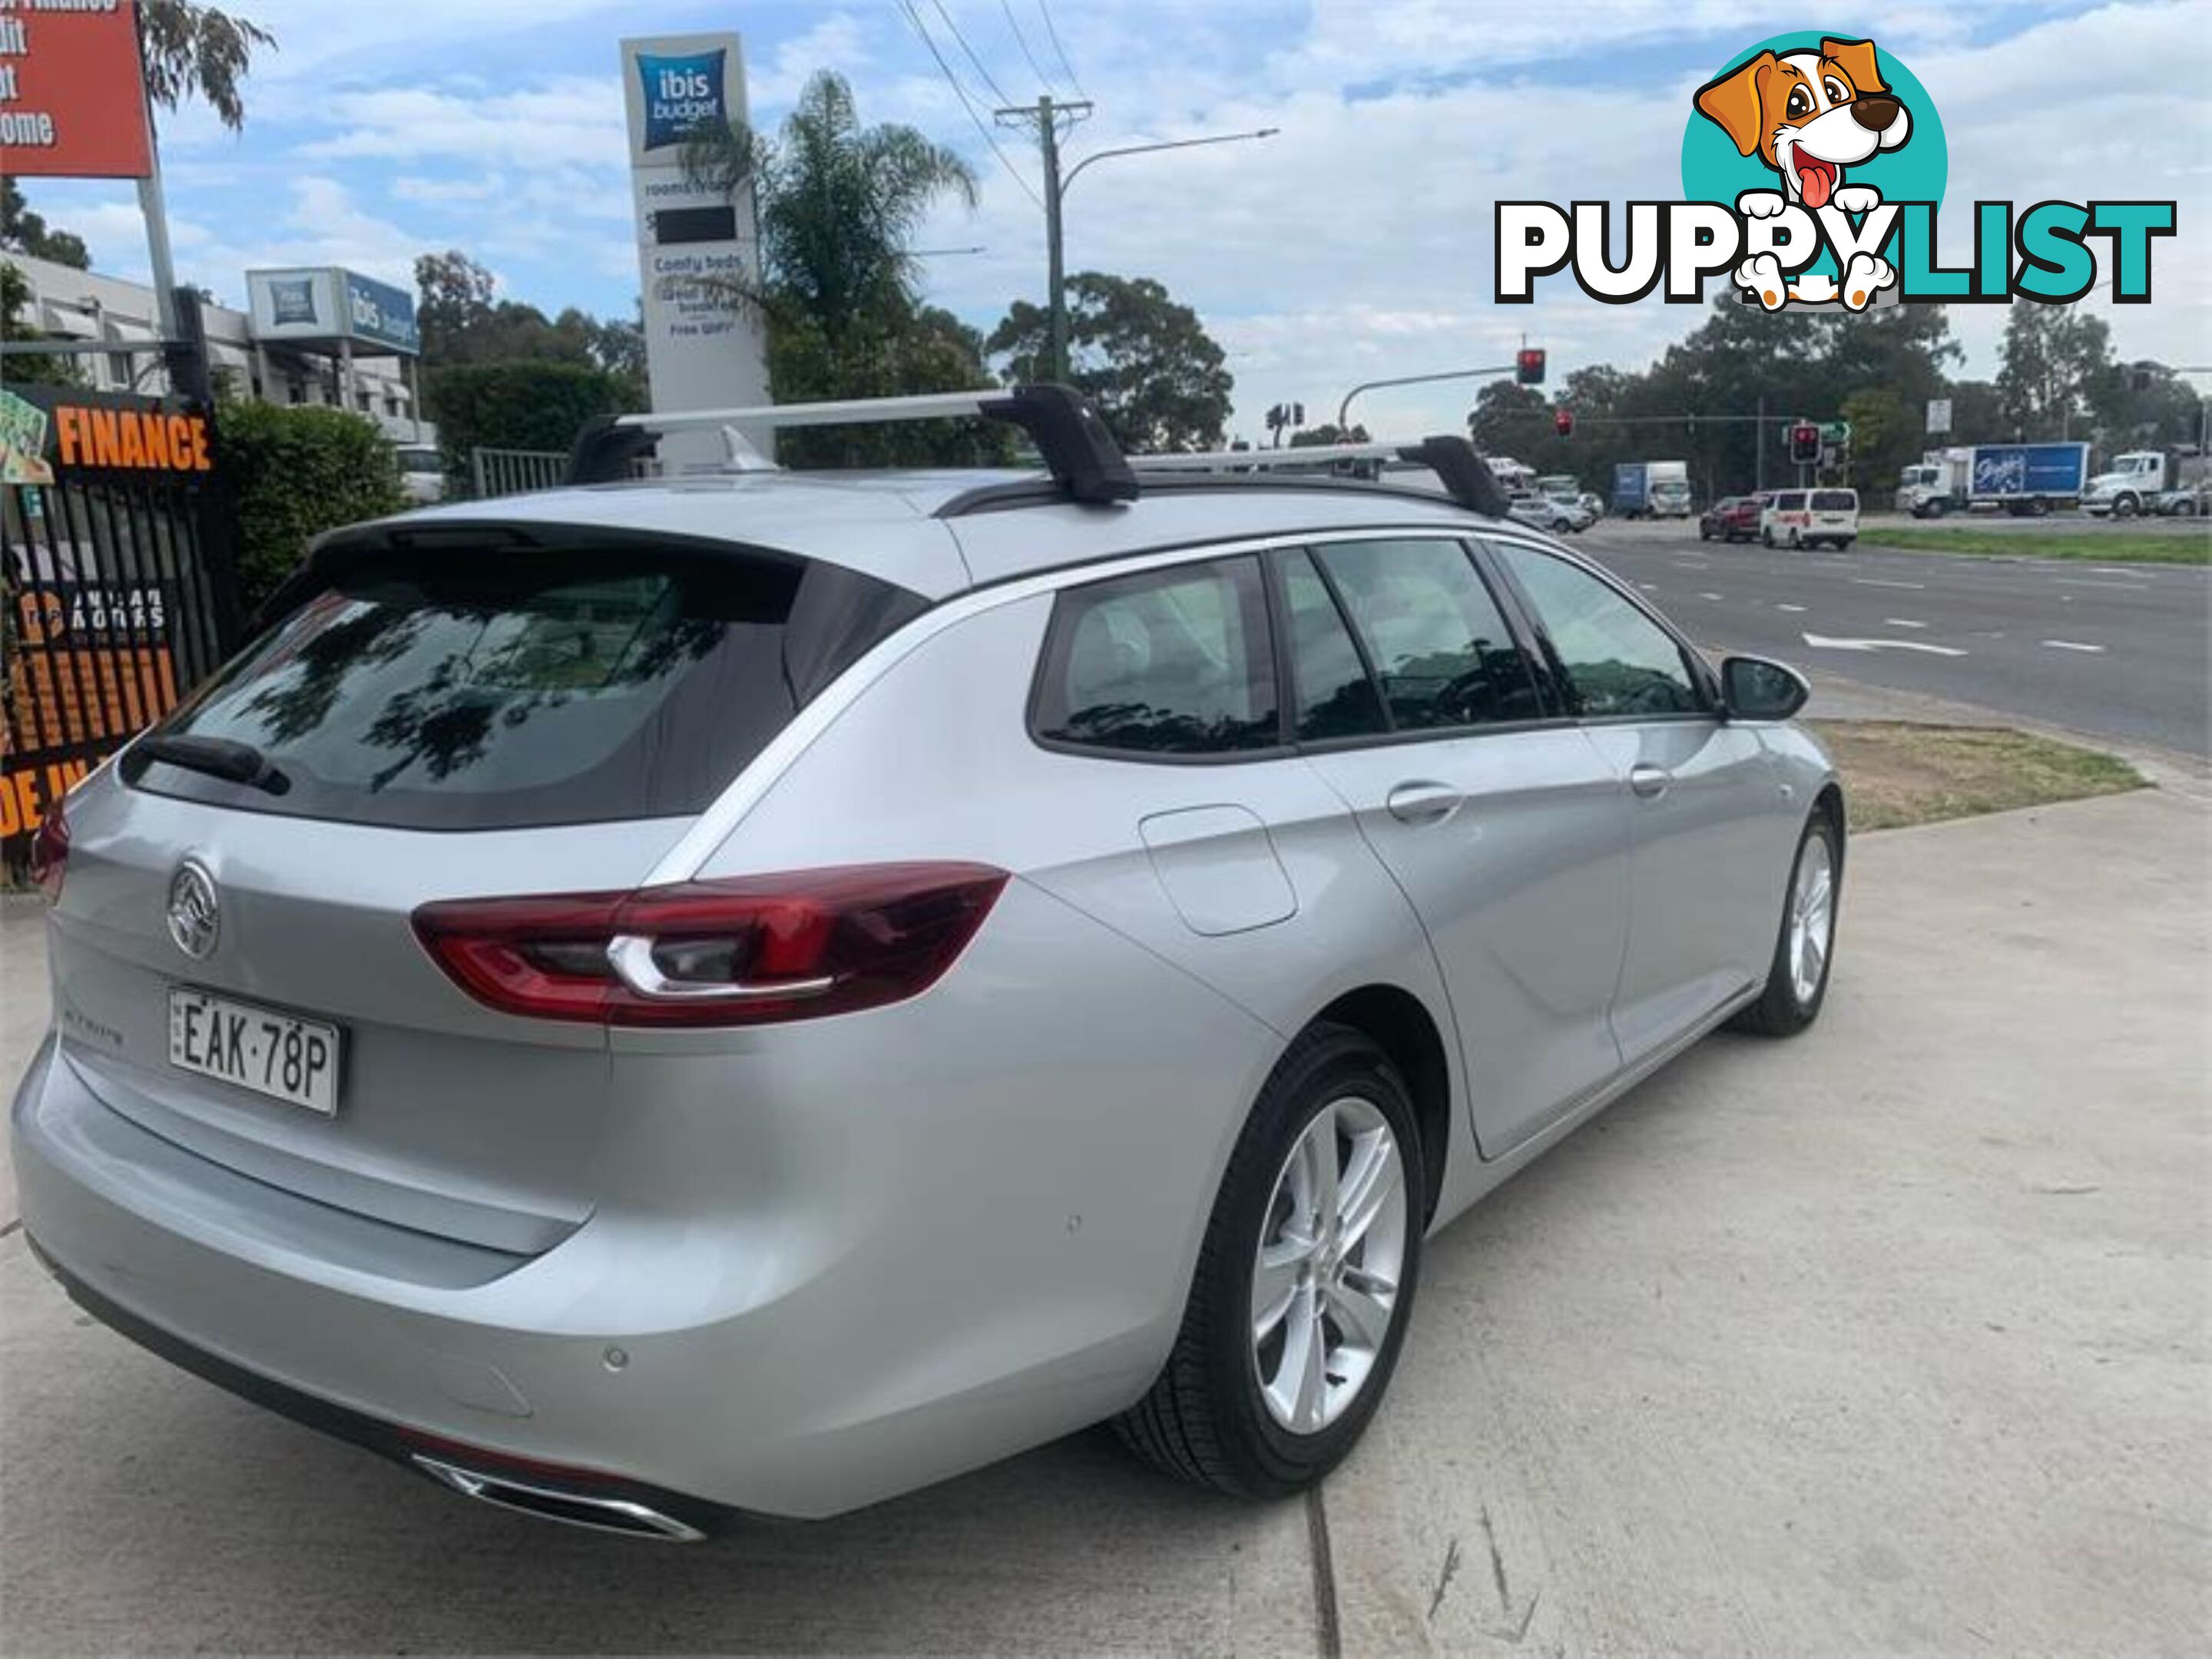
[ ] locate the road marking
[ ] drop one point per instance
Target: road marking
(1876, 581)
(2084, 582)
(1903, 621)
(1649, 587)
(1794, 609)
(2072, 645)
(1819, 641)
(1690, 564)
(1709, 596)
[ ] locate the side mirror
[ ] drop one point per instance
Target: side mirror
(1755, 688)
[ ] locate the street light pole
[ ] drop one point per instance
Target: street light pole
(1344, 408)
(1046, 113)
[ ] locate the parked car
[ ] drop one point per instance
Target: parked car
(1549, 512)
(757, 992)
(1806, 517)
(1731, 519)
(421, 474)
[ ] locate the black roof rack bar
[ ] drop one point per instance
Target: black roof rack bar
(1074, 443)
(1466, 476)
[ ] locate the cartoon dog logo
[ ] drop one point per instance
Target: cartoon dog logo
(1810, 115)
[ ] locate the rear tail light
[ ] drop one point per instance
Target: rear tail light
(50, 845)
(753, 950)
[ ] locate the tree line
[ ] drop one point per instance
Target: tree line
(2058, 378)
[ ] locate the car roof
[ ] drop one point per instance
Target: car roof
(938, 532)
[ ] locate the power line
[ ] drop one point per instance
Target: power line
(1058, 50)
(1022, 40)
(997, 91)
(914, 17)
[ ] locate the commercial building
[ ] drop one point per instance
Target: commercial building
(317, 335)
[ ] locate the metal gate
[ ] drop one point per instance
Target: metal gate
(120, 583)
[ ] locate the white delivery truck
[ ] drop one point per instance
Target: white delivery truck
(1667, 486)
(2020, 479)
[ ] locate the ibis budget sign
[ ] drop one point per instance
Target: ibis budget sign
(698, 248)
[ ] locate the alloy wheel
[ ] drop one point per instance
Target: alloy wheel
(1812, 918)
(1326, 1276)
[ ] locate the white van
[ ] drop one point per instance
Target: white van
(1806, 518)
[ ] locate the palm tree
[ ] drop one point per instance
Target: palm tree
(192, 48)
(839, 205)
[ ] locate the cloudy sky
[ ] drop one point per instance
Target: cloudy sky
(1354, 245)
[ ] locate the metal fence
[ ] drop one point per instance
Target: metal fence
(514, 471)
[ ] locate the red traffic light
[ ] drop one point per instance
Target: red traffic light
(1563, 423)
(1528, 366)
(1804, 441)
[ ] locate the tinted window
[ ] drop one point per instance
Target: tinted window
(1617, 659)
(488, 688)
(1439, 645)
(1173, 661)
(1789, 501)
(1835, 501)
(1335, 698)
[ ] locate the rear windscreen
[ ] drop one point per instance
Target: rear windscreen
(480, 688)
(1834, 500)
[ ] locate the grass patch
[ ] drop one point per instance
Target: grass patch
(2109, 547)
(1896, 773)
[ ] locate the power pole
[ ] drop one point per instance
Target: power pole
(1048, 115)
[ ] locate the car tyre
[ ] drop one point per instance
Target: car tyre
(2126, 508)
(1767, 537)
(1797, 986)
(1209, 1418)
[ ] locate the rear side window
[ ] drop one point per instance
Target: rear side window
(1439, 645)
(1789, 501)
(1835, 501)
(1175, 661)
(480, 688)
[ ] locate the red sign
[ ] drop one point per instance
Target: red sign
(72, 98)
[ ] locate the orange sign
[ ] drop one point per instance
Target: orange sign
(72, 98)
(131, 437)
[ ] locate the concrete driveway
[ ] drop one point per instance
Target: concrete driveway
(1897, 1338)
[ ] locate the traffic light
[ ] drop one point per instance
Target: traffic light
(1804, 443)
(1563, 423)
(1528, 366)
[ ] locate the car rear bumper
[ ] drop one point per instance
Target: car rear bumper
(579, 1497)
(824, 1268)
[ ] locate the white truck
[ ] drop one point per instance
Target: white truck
(2147, 481)
(2016, 478)
(1666, 487)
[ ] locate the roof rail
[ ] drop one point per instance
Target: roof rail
(1081, 454)
(1465, 476)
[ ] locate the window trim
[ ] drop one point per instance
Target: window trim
(1052, 653)
(1278, 588)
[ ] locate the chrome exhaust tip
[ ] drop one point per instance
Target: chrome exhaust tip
(574, 1509)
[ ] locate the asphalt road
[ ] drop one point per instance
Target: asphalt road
(2122, 651)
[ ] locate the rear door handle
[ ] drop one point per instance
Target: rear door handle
(1650, 781)
(1423, 802)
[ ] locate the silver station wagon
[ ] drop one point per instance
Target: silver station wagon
(749, 993)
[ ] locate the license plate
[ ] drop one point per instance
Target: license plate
(271, 1052)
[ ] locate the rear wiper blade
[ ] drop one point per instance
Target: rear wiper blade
(219, 757)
